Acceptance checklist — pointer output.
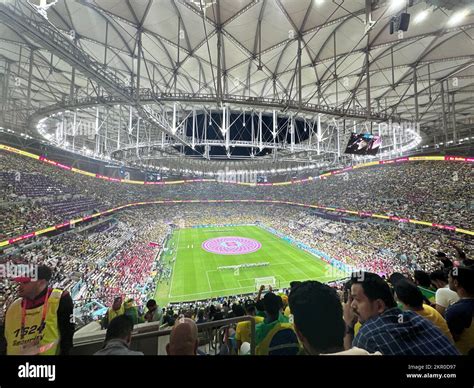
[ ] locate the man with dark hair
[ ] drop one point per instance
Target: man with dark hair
(318, 322)
(117, 309)
(274, 322)
(410, 296)
(422, 279)
(118, 338)
(294, 284)
(459, 315)
(444, 260)
(154, 313)
(40, 321)
(444, 296)
(200, 317)
(260, 309)
(395, 277)
(386, 328)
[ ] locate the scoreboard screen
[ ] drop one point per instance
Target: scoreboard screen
(363, 144)
(153, 176)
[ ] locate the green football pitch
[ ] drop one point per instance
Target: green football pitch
(195, 274)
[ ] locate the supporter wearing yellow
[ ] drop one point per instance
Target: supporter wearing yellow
(118, 308)
(431, 314)
(243, 329)
(357, 327)
(460, 315)
(40, 321)
(275, 335)
(411, 298)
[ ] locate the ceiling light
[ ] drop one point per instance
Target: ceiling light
(421, 16)
(457, 17)
(396, 5)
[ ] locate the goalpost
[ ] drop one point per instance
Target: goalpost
(267, 281)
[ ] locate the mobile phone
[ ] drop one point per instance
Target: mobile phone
(346, 295)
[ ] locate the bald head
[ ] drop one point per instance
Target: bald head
(183, 338)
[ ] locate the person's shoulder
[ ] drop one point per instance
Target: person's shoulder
(383, 320)
(135, 353)
(17, 301)
(430, 311)
(445, 292)
(461, 306)
(354, 351)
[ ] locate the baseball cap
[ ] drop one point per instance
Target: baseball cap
(43, 273)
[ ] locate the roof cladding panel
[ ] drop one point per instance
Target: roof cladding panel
(180, 48)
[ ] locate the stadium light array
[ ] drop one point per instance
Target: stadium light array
(458, 17)
(420, 17)
(396, 5)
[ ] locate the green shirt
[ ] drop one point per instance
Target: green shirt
(262, 329)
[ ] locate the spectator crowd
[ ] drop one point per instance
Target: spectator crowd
(120, 254)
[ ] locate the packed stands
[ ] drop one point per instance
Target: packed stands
(114, 257)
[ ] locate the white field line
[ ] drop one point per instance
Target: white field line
(174, 264)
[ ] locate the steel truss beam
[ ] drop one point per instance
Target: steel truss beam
(148, 97)
(23, 18)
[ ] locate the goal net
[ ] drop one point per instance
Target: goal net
(268, 281)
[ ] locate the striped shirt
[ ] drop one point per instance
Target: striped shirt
(397, 332)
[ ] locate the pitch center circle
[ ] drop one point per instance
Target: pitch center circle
(231, 245)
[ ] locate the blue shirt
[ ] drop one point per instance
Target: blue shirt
(459, 317)
(397, 332)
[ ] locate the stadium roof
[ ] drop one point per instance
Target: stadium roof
(305, 51)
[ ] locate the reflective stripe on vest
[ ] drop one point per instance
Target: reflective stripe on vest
(34, 341)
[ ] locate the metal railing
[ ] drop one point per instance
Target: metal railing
(151, 340)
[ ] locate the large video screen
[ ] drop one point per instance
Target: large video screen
(363, 144)
(153, 176)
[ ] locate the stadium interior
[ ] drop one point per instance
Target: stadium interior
(226, 165)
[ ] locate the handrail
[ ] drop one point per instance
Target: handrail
(151, 330)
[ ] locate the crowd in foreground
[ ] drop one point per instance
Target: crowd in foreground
(368, 316)
(120, 256)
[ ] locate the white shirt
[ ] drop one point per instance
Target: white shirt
(446, 297)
